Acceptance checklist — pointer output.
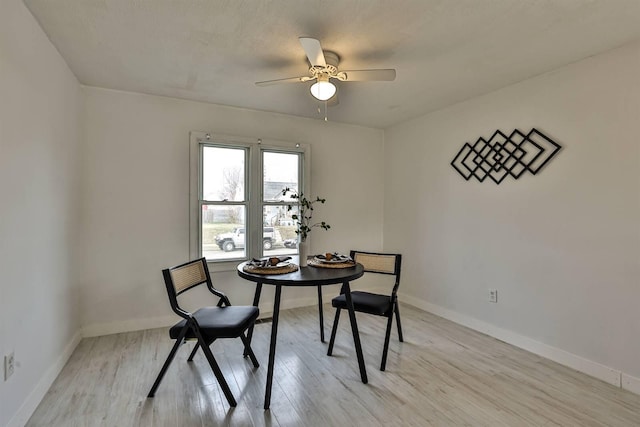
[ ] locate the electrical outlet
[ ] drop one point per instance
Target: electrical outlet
(493, 295)
(9, 365)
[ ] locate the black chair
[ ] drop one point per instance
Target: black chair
(206, 324)
(376, 304)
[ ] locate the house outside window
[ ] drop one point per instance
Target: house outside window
(238, 211)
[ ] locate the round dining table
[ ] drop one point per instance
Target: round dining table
(304, 276)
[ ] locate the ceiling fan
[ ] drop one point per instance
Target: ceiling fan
(324, 67)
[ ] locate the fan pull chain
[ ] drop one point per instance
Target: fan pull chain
(325, 110)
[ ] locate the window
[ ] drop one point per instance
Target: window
(238, 210)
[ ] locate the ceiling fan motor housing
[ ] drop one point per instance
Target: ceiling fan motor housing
(331, 69)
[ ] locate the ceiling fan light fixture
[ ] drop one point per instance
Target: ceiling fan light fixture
(323, 89)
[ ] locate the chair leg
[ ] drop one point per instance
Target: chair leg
(383, 364)
(333, 332)
(397, 310)
(218, 373)
(320, 313)
(193, 353)
(167, 362)
(249, 351)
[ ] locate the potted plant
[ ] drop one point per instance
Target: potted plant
(303, 220)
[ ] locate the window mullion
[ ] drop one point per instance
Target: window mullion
(254, 198)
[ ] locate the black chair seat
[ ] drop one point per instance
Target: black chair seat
(366, 302)
(219, 322)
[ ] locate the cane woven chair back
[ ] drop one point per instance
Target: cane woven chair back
(380, 263)
(187, 276)
(376, 263)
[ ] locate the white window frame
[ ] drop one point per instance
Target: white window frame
(253, 189)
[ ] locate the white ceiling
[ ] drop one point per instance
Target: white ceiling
(444, 51)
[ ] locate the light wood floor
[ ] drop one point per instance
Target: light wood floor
(442, 375)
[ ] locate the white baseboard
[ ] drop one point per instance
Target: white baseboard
(266, 309)
(108, 328)
(32, 401)
(589, 367)
(130, 325)
(631, 383)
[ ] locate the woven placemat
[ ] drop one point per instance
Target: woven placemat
(284, 269)
(319, 264)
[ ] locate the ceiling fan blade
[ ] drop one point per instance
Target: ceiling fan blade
(289, 80)
(313, 50)
(368, 75)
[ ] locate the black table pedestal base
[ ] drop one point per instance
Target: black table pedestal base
(305, 276)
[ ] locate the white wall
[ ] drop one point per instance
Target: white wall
(561, 247)
(103, 217)
(136, 198)
(40, 105)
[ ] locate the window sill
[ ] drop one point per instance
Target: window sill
(224, 266)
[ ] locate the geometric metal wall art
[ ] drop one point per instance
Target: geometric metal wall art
(503, 155)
